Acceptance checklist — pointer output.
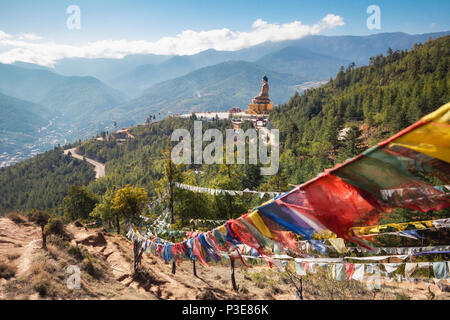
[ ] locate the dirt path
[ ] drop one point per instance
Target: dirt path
(24, 261)
(21, 243)
(18, 243)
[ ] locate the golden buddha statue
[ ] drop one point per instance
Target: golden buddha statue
(263, 97)
(261, 104)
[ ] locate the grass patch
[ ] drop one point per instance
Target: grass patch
(75, 252)
(91, 267)
(146, 278)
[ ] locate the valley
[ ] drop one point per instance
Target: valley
(81, 98)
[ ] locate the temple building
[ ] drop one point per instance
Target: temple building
(261, 104)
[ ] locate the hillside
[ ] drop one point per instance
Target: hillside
(375, 101)
(20, 123)
(42, 180)
(21, 116)
(213, 88)
(78, 98)
(66, 95)
(143, 77)
(106, 263)
(26, 83)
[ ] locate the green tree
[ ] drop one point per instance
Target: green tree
(191, 205)
(79, 202)
(172, 174)
(128, 202)
(104, 210)
(228, 178)
(351, 144)
(276, 182)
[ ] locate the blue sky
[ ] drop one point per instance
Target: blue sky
(134, 20)
(151, 20)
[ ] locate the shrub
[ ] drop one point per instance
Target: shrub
(15, 217)
(6, 271)
(75, 252)
(43, 285)
(55, 226)
(40, 217)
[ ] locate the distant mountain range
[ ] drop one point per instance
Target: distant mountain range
(20, 122)
(303, 63)
(213, 88)
(293, 60)
(54, 90)
(134, 74)
(64, 106)
(80, 97)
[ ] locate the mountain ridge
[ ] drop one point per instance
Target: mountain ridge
(213, 88)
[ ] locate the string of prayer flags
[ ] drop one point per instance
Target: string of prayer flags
(217, 192)
(409, 269)
(399, 250)
(341, 271)
(384, 177)
(369, 231)
(391, 267)
(392, 174)
(358, 272)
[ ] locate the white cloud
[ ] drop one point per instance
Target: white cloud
(333, 21)
(4, 35)
(25, 47)
(29, 36)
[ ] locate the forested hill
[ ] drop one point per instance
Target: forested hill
(371, 102)
(320, 128)
(42, 181)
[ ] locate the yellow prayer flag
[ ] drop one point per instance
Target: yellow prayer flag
(428, 223)
(431, 138)
(339, 245)
(259, 224)
(418, 225)
(222, 229)
(399, 226)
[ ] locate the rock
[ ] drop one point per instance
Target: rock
(97, 239)
(78, 224)
(208, 294)
(444, 287)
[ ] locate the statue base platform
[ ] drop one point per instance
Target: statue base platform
(259, 108)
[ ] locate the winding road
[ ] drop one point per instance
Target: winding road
(99, 167)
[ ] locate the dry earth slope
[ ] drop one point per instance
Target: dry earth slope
(106, 264)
